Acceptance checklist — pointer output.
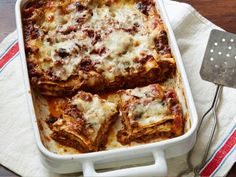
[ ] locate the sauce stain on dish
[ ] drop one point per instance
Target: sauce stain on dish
(56, 106)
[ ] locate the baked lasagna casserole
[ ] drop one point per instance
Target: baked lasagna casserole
(80, 50)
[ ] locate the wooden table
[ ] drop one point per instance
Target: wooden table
(220, 12)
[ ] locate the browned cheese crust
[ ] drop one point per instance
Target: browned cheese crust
(95, 45)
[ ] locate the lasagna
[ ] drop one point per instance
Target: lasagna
(110, 63)
(85, 123)
(149, 112)
(95, 46)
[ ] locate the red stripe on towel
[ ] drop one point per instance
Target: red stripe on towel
(9, 55)
(218, 158)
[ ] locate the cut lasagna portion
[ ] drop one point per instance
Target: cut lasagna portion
(149, 113)
(85, 123)
(95, 45)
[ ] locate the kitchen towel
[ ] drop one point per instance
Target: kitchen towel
(18, 150)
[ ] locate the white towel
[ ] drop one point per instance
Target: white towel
(18, 150)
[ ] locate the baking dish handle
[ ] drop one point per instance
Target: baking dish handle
(159, 168)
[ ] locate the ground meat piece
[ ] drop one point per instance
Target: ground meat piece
(62, 53)
(30, 31)
(143, 60)
(89, 32)
(86, 64)
(96, 39)
(79, 6)
(86, 97)
(143, 7)
(74, 112)
(98, 51)
(69, 30)
(35, 4)
(161, 44)
(51, 120)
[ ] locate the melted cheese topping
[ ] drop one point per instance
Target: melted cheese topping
(112, 37)
(148, 108)
(151, 113)
(95, 111)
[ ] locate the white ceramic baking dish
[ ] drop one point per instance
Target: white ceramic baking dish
(88, 162)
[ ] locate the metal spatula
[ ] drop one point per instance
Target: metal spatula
(219, 67)
(219, 63)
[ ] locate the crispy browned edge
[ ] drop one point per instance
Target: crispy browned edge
(137, 133)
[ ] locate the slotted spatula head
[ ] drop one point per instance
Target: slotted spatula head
(219, 63)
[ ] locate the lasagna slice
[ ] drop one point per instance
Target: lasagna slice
(149, 113)
(85, 123)
(95, 45)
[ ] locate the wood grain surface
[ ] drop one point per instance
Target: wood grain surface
(220, 12)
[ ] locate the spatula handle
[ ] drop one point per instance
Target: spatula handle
(215, 119)
(212, 133)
